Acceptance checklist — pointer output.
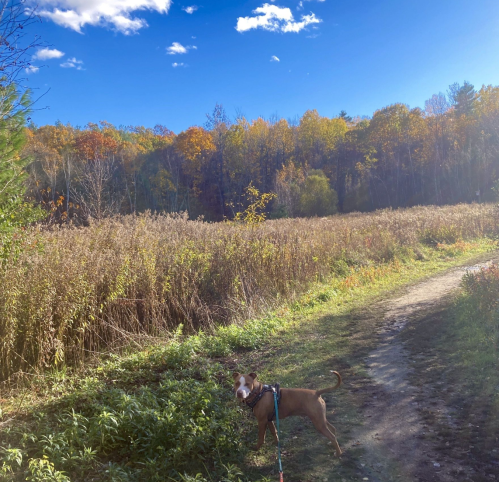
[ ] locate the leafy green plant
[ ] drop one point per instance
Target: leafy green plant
(42, 470)
(11, 459)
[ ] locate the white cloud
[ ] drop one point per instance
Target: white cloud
(178, 48)
(72, 63)
(44, 54)
(275, 19)
(275, 59)
(32, 69)
(181, 64)
(116, 14)
(190, 9)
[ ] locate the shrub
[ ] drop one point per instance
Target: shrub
(483, 290)
(317, 198)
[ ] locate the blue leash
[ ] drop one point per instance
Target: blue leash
(278, 435)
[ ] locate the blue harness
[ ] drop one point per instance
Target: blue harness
(267, 388)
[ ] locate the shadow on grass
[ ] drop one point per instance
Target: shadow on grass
(304, 357)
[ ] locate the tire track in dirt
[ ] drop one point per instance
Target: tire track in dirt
(395, 448)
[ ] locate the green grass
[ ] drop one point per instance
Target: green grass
(167, 412)
(475, 335)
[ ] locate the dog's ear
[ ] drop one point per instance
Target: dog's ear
(253, 375)
(235, 375)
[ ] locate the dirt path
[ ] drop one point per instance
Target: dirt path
(393, 435)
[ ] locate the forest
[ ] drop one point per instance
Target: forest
(443, 154)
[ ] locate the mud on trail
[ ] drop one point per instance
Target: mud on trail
(399, 442)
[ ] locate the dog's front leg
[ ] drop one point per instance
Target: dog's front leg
(273, 431)
(262, 427)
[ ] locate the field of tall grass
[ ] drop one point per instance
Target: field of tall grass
(69, 292)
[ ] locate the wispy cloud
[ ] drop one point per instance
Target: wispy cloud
(32, 69)
(178, 64)
(190, 9)
(45, 54)
(177, 48)
(275, 19)
(72, 63)
(116, 14)
(274, 58)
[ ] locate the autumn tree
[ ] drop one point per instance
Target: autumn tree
(402, 156)
(96, 192)
(288, 187)
(197, 147)
(218, 124)
(255, 212)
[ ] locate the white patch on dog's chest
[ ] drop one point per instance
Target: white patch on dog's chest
(243, 389)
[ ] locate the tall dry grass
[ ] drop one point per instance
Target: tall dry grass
(78, 290)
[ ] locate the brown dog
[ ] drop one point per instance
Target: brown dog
(294, 401)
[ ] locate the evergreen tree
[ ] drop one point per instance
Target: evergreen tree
(343, 115)
(15, 59)
(14, 211)
(462, 97)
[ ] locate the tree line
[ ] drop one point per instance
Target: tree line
(446, 153)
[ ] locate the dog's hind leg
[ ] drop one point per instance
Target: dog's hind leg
(321, 426)
(273, 431)
(331, 427)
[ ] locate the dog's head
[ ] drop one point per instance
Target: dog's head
(243, 384)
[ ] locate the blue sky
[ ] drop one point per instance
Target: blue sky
(354, 55)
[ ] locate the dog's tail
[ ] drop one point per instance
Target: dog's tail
(330, 389)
